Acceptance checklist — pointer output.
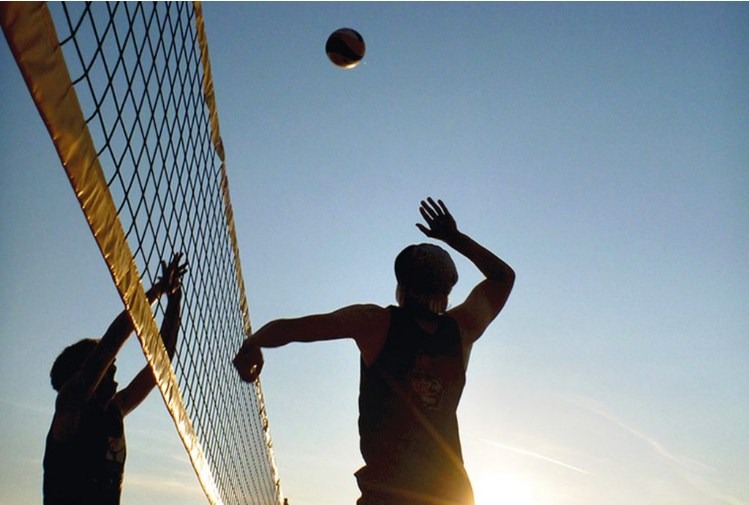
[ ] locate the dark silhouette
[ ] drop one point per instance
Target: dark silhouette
(413, 363)
(84, 457)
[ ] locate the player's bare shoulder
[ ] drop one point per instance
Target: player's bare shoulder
(369, 325)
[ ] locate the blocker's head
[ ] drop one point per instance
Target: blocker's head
(426, 274)
(69, 362)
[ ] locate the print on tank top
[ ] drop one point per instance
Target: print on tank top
(426, 390)
(116, 450)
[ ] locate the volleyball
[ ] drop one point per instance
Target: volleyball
(345, 47)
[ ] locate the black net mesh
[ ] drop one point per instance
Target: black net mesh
(137, 71)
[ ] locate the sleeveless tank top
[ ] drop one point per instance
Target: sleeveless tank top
(408, 425)
(87, 469)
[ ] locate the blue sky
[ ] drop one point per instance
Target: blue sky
(600, 149)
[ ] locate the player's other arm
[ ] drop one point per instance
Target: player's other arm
(362, 323)
(144, 382)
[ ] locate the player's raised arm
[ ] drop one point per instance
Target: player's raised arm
(486, 299)
(83, 385)
(142, 384)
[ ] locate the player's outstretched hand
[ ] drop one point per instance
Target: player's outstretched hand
(441, 224)
(171, 275)
(249, 362)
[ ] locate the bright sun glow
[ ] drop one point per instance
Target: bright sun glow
(502, 490)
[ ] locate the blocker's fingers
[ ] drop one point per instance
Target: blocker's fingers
(426, 216)
(435, 207)
(426, 208)
(443, 206)
(426, 231)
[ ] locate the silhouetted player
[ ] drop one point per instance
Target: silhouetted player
(413, 364)
(84, 458)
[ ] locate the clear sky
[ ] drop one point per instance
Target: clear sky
(600, 149)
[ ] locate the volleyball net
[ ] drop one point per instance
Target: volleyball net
(126, 93)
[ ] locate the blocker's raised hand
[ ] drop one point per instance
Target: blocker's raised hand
(171, 276)
(441, 223)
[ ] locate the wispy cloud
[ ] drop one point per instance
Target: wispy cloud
(684, 463)
(699, 475)
(533, 454)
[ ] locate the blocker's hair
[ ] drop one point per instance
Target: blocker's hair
(70, 361)
(425, 269)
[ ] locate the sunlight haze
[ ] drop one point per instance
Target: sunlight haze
(599, 148)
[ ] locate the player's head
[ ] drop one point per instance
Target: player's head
(426, 274)
(70, 361)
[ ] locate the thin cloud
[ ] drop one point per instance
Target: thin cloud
(532, 454)
(694, 472)
(685, 463)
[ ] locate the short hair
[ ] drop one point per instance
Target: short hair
(69, 362)
(425, 269)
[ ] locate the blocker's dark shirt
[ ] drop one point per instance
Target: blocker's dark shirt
(87, 469)
(407, 416)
